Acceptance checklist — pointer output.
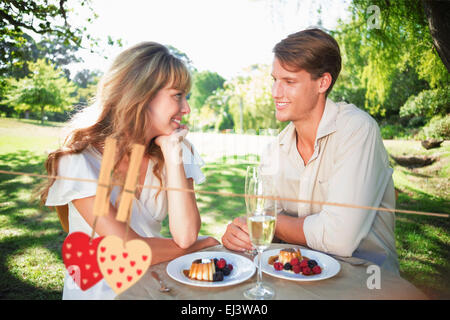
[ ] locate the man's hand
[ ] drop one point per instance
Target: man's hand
(236, 236)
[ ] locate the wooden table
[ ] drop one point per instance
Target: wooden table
(349, 283)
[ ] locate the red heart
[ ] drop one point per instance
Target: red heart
(121, 270)
(139, 271)
(119, 284)
(132, 263)
(129, 278)
(125, 255)
(113, 257)
(75, 252)
(144, 258)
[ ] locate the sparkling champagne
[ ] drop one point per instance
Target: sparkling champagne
(261, 229)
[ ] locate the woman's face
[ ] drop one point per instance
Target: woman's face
(166, 111)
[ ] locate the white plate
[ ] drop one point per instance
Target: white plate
(243, 268)
(330, 266)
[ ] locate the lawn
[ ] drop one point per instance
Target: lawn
(30, 236)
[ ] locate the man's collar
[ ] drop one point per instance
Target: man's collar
(327, 125)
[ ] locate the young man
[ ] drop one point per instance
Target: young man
(330, 153)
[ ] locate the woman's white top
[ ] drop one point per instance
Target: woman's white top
(147, 213)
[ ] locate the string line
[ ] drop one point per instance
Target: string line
(230, 194)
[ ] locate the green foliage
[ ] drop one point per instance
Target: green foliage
(86, 82)
(204, 84)
(391, 131)
(46, 88)
(438, 128)
(385, 64)
(251, 99)
(21, 20)
(427, 103)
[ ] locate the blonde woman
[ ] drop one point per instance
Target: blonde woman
(141, 99)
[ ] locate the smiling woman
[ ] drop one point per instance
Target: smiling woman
(140, 100)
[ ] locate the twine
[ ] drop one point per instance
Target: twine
(230, 194)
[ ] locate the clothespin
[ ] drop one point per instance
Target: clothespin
(129, 189)
(101, 204)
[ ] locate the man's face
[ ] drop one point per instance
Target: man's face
(295, 93)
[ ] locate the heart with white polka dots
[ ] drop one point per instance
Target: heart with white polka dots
(80, 258)
(123, 263)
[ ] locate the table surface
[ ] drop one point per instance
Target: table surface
(349, 283)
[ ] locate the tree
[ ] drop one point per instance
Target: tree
(46, 88)
(86, 82)
(204, 84)
(398, 47)
(22, 20)
(438, 16)
(250, 99)
(183, 57)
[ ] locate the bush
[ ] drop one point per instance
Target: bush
(438, 128)
(427, 104)
(392, 131)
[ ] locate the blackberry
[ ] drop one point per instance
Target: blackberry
(287, 266)
(312, 263)
(218, 276)
(226, 271)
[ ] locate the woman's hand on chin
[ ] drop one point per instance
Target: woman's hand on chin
(171, 144)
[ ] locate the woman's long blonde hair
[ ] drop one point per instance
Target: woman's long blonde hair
(122, 99)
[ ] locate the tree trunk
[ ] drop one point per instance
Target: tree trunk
(438, 15)
(42, 114)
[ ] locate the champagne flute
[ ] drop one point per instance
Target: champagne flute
(261, 219)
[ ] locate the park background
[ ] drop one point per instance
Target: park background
(395, 67)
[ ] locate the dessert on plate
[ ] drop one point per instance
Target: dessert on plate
(208, 269)
(290, 259)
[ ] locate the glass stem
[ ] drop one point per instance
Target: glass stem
(259, 279)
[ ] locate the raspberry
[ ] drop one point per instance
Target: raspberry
(316, 270)
(230, 267)
(278, 266)
(296, 268)
(307, 271)
(294, 261)
(221, 263)
(304, 263)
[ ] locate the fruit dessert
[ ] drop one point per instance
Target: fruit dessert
(209, 269)
(291, 260)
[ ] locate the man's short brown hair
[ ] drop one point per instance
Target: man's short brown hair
(312, 50)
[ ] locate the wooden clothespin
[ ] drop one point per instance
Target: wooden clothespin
(101, 204)
(129, 189)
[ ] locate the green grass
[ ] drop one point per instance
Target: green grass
(423, 242)
(30, 236)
